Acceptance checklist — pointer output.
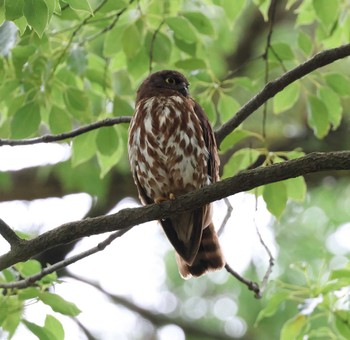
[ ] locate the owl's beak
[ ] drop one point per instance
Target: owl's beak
(183, 88)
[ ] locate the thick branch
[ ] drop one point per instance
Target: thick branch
(246, 180)
(8, 234)
(273, 87)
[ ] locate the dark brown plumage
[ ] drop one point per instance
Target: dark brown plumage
(172, 151)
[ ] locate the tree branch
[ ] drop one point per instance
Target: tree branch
(273, 87)
(9, 235)
(30, 280)
(155, 318)
(66, 135)
(126, 218)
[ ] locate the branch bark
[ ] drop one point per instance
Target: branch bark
(273, 87)
(126, 218)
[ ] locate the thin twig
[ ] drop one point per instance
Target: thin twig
(31, 280)
(109, 27)
(272, 12)
(250, 284)
(229, 210)
(66, 135)
(271, 263)
(71, 38)
(9, 235)
(152, 45)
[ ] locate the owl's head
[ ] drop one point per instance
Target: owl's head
(164, 81)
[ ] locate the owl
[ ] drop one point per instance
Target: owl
(172, 151)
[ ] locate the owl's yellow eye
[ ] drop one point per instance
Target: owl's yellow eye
(170, 81)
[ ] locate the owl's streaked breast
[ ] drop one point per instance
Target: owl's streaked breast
(166, 147)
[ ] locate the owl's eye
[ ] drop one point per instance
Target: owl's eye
(170, 80)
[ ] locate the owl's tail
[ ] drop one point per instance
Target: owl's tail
(208, 258)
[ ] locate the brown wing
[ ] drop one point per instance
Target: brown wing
(142, 193)
(210, 142)
(200, 218)
(193, 220)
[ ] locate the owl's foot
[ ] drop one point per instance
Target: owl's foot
(161, 199)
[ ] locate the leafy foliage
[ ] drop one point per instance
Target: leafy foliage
(67, 63)
(13, 302)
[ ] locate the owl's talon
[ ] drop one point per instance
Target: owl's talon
(161, 199)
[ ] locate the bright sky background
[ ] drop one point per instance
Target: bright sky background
(137, 254)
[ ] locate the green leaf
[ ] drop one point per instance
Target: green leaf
(208, 106)
(333, 104)
(8, 274)
(286, 99)
(340, 273)
(28, 268)
(162, 46)
(52, 6)
(332, 286)
(292, 328)
(264, 6)
(10, 314)
(305, 43)
(106, 162)
(21, 24)
(20, 55)
(338, 83)
(233, 8)
(26, 120)
(58, 304)
(77, 60)
(275, 196)
(191, 64)
(273, 304)
(41, 332)
(107, 140)
(112, 41)
(121, 107)
(296, 188)
(75, 99)
(189, 48)
(182, 29)
(139, 65)
(244, 82)
(318, 117)
(237, 136)
(240, 160)
(37, 15)
(281, 51)
(55, 327)
(201, 22)
(28, 293)
(2, 11)
(342, 322)
(326, 11)
(59, 120)
(131, 41)
(84, 148)
(13, 9)
(227, 106)
(80, 5)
